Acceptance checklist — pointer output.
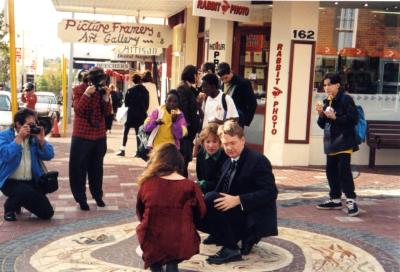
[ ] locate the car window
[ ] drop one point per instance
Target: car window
(46, 99)
(5, 104)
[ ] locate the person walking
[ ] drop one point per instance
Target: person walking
(137, 102)
(241, 92)
(337, 116)
(22, 147)
(167, 206)
(154, 103)
(89, 140)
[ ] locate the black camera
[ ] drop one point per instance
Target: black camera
(97, 77)
(34, 128)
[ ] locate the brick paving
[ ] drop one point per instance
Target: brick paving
(376, 230)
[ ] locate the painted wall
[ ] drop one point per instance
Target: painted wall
(220, 40)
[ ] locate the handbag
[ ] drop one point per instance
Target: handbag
(143, 150)
(48, 182)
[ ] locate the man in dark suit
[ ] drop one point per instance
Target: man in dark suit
(243, 205)
(241, 91)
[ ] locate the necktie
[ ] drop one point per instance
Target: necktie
(228, 176)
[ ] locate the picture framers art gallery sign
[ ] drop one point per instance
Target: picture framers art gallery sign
(239, 11)
(113, 33)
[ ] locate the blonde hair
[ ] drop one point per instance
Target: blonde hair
(165, 159)
(210, 129)
(231, 128)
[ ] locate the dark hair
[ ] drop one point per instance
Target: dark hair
(165, 159)
(211, 79)
(175, 92)
(83, 76)
(189, 74)
(333, 78)
(208, 66)
(136, 79)
(96, 75)
(21, 115)
(223, 69)
(147, 77)
(29, 86)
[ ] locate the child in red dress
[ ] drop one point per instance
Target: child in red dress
(167, 206)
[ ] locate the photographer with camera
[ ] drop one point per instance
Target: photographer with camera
(22, 147)
(28, 96)
(89, 140)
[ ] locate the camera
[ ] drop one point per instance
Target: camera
(34, 128)
(97, 77)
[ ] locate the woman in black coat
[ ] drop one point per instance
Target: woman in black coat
(210, 159)
(137, 102)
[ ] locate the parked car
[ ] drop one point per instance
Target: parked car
(5, 110)
(47, 105)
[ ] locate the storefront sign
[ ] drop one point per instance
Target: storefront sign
(227, 10)
(127, 52)
(217, 48)
(113, 65)
(276, 92)
(139, 35)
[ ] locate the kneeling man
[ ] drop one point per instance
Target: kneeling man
(243, 205)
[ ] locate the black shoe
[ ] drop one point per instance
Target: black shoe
(121, 153)
(100, 202)
(84, 206)
(225, 255)
(352, 209)
(210, 240)
(330, 205)
(172, 267)
(10, 216)
(247, 247)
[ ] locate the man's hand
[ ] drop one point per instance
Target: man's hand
(24, 132)
(330, 114)
(226, 202)
(40, 136)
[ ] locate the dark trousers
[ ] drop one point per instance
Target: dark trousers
(86, 157)
(24, 194)
(227, 227)
(340, 178)
(126, 132)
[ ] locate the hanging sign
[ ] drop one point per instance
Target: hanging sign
(110, 33)
(113, 65)
(127, 52)
(239, 11)
(276, 91)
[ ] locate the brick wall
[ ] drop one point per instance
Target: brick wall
(372, 35)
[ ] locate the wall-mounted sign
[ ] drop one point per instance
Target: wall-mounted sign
(239, 11)
(216, 48)
(127, 52)
(113, 65)
(139, 35)
(276, 91)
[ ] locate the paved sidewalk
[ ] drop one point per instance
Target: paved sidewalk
(309, 239)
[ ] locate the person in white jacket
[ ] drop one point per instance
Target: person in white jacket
(147, 81)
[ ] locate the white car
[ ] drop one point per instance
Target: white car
(47, 105)
(5, 110)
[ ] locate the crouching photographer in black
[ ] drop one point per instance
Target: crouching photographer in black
(89, 143)
(22, 147)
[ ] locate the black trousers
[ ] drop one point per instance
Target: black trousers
(24, 194)
(126, 132)
(227, 227)
(340, 178)
(86, 158)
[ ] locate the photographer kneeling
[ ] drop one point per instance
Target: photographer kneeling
(21, 148)
(89, 143)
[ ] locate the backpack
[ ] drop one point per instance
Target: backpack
(360, 129)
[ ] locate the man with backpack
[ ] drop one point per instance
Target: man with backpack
(338, 117)
(217, 107)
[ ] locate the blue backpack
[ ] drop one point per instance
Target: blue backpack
(360, 130)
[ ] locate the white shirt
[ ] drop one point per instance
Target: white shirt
(214, 109)
(153, 97)
(24, 170)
